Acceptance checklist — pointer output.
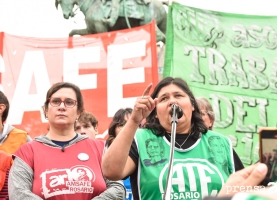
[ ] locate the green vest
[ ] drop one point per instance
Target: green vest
(198, 171)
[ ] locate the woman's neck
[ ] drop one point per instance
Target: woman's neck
(182, 130)
(60, 135)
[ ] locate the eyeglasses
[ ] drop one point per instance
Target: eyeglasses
(69, 103)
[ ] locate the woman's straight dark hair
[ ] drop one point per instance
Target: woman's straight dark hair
(197, 123)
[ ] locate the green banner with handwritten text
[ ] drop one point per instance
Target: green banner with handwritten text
(230, 59)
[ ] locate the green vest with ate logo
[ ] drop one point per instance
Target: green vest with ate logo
(198, 171)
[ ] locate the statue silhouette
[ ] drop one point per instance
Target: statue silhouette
(111, 15)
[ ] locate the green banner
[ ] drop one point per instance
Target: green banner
(230, 59)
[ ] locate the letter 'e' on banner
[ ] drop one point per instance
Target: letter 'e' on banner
(112, 69)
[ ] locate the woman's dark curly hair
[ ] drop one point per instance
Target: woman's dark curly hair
(197, 123)
(119, 118)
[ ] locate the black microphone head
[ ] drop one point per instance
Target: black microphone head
(178, 111)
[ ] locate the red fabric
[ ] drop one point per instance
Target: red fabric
(4, 192)
(6, 163)
(62, 175)
(90, 63)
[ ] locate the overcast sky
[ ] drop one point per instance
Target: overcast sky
(36, 18)
(39, 18)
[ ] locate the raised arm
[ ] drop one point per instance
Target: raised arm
(116, 163)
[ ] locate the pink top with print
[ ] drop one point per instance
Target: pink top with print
(62, 175)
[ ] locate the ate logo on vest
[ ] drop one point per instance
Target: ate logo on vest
(77, 179)
(192, 179)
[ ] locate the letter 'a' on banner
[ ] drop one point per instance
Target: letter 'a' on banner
(112, 69)
(231, 60)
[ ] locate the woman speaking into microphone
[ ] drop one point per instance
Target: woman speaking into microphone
(144, 153)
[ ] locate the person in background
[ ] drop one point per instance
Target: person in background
(270, 159)
(62, 164)
(215, 148)
(87, 124)
(194, 177)
(10, 140)
(119, 120)
(206, 111)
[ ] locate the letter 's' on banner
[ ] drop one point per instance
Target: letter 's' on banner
(231, 60)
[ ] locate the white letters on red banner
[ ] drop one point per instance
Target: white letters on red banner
(112, 70)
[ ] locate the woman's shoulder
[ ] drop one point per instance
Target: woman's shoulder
(28, 145)
(97, 141)
(86, 139)
(211, 133)
(26, 152)
(145, 132)
(94, 141)
(99, 144)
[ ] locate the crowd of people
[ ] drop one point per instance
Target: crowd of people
(69, 163)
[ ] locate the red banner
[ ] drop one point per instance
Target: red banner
(112, 69)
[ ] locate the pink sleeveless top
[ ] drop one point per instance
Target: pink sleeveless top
(72, 174)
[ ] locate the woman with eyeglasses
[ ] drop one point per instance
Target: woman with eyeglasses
(118, 122)
(61, 164)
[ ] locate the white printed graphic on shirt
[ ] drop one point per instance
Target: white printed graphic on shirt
(77, 179)
(193, 178)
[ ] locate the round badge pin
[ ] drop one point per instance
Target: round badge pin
(83, 156)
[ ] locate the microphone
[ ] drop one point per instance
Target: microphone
(178, 111)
